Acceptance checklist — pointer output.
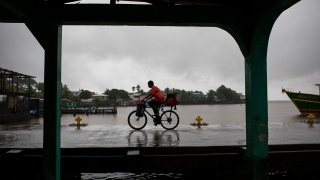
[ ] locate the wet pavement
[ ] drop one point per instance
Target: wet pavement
(22, 136)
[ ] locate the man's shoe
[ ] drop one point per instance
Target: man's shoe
(157, 120)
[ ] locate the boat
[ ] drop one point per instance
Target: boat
(305, 103)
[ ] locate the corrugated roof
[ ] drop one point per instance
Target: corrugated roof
(9, 73)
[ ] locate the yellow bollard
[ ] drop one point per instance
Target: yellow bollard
(78, 120)
(199, 119)
(311, 118)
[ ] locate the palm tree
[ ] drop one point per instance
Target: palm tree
(138, 87)
(133, 88)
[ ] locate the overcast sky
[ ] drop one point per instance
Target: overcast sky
(191, 58)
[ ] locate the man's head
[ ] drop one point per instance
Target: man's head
(150, 84)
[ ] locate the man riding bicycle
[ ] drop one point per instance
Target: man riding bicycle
(157, 98)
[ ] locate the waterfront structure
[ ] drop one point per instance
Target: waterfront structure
(248, 22)
(14, 102)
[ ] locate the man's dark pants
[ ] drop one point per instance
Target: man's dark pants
(155, 105)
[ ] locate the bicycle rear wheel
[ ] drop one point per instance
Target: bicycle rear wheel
(136, 122)
(169, 119)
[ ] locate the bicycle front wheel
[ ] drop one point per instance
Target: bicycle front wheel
(169, 119)
(136, 122)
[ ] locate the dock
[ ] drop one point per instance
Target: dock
(100, 110)
(103, 107)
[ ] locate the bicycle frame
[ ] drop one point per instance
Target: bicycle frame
(145, 110)
(160, 108)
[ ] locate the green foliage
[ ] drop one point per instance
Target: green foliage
(21, 85)
(66, 93)
(222, 95)
(115, 94)
(85, 94)
(212, 97)
(166, 90)
(76, 99)
(40, 90)
(227, 95)
(138, 87)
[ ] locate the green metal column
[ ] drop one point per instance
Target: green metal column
(257, 114)
(256, 95)
(257, 91)
(257, 99)
(52, 100)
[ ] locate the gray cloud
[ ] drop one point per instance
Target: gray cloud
(190, 57)
(294, 50)
(20, 51)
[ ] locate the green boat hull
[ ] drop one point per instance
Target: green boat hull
(306, 103)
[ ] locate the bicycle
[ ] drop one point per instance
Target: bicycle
(168, 119)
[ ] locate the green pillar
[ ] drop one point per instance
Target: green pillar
(52, 99)
(257, 90)
(257, 113)
(256, 95)
(257, 99)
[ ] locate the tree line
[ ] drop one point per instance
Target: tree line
(222, 95)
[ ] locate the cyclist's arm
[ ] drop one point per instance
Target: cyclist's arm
(149, 96)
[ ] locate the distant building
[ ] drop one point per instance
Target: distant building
(66, 103)
(136, 97)
(124, 103)
(242, 97)
(15, 95)
(86, 100)
(199, 95)
(76, 93)
(100, 97)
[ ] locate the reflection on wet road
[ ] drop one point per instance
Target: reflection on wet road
(157, 138)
